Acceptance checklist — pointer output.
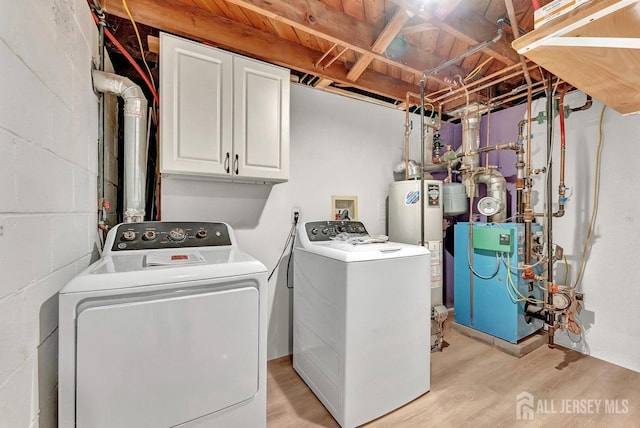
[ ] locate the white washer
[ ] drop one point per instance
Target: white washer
(168, 328)
(361, 321)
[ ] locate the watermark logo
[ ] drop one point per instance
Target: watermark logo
(527, 406)
(524, 406)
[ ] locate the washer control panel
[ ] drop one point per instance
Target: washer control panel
(318, 231)
(153, 235)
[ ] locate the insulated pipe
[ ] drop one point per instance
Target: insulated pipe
(470, 141)
(497, 189)
(135, 140)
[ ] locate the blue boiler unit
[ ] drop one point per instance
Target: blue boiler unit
(484, 296)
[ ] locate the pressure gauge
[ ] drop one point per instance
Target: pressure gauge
(489, 206)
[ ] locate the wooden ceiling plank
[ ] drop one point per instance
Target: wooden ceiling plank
(390, 31)
(209, 5)
(417, 28)
(324, 22)
(444, 8)
(198, 24)
(285, 31)
(375, 12)
(354, 8)
(469, 28)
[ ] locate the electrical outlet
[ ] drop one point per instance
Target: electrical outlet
(295, 215)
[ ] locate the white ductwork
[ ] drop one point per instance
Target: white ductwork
(473, 173)
(135, 140)
(470, 140)
(412, 166)
(497, 189)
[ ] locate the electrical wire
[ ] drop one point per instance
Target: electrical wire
(135, 28)
(511, 284)
(477, 70)
(293, 241)
(133, 62)
(290, 238)
(539, 262)
(471, 264)
(596, 193)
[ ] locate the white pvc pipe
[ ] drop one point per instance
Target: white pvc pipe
(135, 140)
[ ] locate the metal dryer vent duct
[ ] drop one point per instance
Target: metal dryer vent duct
(135, 140)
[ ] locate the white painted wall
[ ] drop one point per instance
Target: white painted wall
(339, 146)
(48, 164)
(610, 281)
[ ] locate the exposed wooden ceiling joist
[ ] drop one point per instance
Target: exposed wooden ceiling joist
(390, 31)
(196, 23)
(467, 27)
(371, 47)
(316, 18)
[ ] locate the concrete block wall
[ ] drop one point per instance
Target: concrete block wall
(48, 165)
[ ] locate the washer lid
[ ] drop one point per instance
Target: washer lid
(140, 268)
(364, 252)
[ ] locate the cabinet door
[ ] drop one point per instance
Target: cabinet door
(196, 108)
(261, 120)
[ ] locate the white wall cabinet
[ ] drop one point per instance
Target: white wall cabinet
(223, 116)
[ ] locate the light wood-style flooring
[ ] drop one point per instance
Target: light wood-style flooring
(474, 385)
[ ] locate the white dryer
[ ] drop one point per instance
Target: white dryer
(361, 326)
(168, 328)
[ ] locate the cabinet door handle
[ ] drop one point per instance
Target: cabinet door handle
(235, 165)
(226, 163)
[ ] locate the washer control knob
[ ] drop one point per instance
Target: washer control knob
(149, 235)
(177, 235)
(128, 235)
(325, 230)
(314, 231)
(201, 234)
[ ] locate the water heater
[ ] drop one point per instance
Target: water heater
(404, 223)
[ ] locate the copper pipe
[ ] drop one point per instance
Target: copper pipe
(486, 85)
(527, 211)
(489, 77)
(493, 78)
(563, 149)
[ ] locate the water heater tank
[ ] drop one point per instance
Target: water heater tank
(454, 199)
(404, 223)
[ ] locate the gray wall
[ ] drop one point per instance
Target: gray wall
(48, 204)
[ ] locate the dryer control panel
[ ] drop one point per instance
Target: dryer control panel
(153, 235)
(318, 231)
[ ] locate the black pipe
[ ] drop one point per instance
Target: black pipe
(586, 106)
(549, 211)
(422, 195)
(533, 311)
